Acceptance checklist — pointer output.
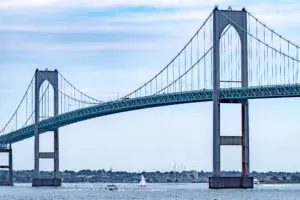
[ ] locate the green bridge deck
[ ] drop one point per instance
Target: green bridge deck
(113, 107)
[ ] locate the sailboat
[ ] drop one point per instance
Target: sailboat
(142, 182)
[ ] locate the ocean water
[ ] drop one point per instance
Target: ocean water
(88, 191)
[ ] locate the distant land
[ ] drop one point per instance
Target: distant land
(93, 176)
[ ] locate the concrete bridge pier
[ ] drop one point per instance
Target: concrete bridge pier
(52, 78)
(217, 181)
(9, 181)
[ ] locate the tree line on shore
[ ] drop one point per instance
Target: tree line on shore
(25, 176)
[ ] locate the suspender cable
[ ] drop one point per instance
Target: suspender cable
(198, 67)
(173, 68)
(288, 73)
(185, 80)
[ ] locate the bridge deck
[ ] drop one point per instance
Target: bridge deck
(113, 107)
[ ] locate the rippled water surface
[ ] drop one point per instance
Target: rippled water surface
(89, 191)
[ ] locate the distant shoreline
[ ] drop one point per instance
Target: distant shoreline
(261, 183)
(102, 176)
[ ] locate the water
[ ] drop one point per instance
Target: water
(88, 191)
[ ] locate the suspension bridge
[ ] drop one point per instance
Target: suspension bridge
(232, 57)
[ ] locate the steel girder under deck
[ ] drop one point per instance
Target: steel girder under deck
(112, 107)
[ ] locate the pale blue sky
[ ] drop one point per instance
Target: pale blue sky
(108, 47)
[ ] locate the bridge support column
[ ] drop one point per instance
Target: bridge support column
(217, 181)
(40, 77)
(9, 179)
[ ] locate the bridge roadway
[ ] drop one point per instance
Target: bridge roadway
(112, 107)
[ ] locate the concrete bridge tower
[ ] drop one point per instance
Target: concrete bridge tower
(220, 22)
(52, 78)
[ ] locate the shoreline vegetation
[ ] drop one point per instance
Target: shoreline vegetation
(98, 176)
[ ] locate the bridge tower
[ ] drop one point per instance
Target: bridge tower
(52, 78)
(220, 22)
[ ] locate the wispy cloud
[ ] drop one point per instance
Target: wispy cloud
(82, 29)
(104, 46)
(140, 22)
(9, 4)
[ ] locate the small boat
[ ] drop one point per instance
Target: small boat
(143, 181)
(111, 187)
(255, 181)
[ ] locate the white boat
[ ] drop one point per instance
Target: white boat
(255, 181)
(143, 181)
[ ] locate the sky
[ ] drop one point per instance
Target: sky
(110, 47)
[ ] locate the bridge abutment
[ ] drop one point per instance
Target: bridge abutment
(36, 182)
(9, 180)
(217, 181)
(52, 78)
